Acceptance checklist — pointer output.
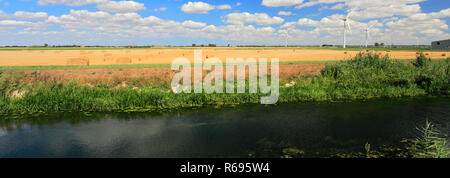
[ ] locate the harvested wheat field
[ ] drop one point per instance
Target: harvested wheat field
(166, 56)
(119, 76)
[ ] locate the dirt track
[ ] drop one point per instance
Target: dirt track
(166, 56)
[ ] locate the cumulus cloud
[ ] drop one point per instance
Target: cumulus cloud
(161, 9)
(425, 27)
(371, 9)
(257, 18)
(192, 24)
(197, 8)
(279, 3)
(30, 15)
(285, 13)
(15, 23)
(222, 7)
(70, 2)
(3, 15)
(338, 6)
(104, 5)
(398, 22)
(422, 23)
(201, 7)
(121, 6)
(88, 26)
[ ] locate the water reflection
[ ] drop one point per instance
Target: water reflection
(230, 132)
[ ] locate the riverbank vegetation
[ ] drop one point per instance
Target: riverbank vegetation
(365, 76)
(430, 143)
(433, 143)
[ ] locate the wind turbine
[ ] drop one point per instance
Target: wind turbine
(287, 36)
(346, 26)
(368, 33)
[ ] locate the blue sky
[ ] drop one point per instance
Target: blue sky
(179, 22)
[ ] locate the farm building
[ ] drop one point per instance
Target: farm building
(440, 45)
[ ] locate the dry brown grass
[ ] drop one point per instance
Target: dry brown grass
(109, 76)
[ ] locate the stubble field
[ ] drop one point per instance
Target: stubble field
(144, 65)
(166, 56)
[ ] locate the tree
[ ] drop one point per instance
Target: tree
(194, 45)
(377, 44)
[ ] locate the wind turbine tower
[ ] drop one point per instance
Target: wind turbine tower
(286, 39)
(346, 27)
(367, 31)
(286, 35)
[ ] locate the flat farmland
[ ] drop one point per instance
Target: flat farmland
(166, 56)
(116, 66)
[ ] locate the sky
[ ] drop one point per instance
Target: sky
(222, 22)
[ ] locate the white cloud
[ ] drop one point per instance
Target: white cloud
(71, 2)
(99, 27)
(104, 5)
(338, 6)
(121, 23)
(161, 9)
(14, 23)
(398, 22)
(197, 8)
(31, 15)
(426, 24)
(426, 27)
(192, 24)
(202, 7)
(278, 3)
(121, 6)
(3, 15)
(285, 13)
(257, 18)
(386, 11)
(371, 9)
(222, 7)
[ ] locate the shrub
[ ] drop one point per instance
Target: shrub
(421, 61)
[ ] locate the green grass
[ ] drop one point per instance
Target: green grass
(127, 66)
(160, 65)
(365, 76)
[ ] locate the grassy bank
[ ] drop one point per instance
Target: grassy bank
(363, 77)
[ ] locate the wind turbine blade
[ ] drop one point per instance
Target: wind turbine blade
(348, 26)
(371, 25)
(348, 15)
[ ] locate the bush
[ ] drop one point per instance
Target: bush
(421, 61)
